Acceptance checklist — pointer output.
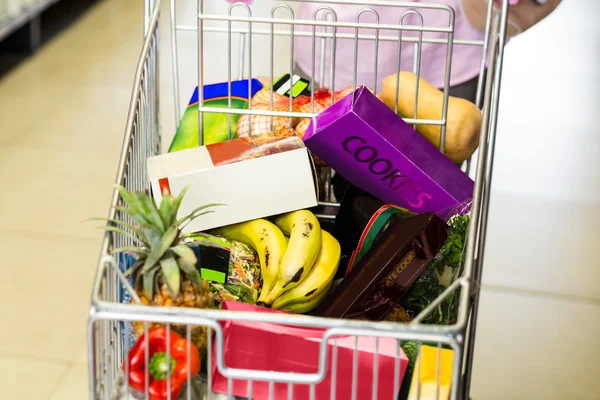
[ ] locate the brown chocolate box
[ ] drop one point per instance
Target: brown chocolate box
(388, 270)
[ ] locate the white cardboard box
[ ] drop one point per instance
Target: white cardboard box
(250, 189)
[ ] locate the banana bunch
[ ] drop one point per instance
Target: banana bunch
(298, 260)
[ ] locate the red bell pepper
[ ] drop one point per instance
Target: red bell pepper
(183, 363)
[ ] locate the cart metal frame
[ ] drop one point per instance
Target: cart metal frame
(108, 312)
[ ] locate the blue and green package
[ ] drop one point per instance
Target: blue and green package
(215, 124)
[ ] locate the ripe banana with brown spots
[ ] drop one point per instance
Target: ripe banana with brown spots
(268, 241)
(309, 305)
(304, 231)
(318, 279)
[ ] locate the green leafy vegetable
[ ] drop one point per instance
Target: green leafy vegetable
(445, 268)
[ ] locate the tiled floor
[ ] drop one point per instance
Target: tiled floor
(62, 114)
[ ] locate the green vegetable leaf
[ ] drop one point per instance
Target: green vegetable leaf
(149, 209)
(165, 208)
(159, 250)
(134, 208)
(148, 278)
(197, 213)
(243, 292)
(125, 233)
(191, 272)
(136, 266)
(176, 203)
(135, 229)
(170, 270)
(183, 251)
(428, 287)
(142, 250)
(153, 233)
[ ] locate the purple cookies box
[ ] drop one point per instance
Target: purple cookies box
(374, 149)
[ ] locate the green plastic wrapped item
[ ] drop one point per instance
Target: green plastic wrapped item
(243, 280)
(445, 268)
(216, 125)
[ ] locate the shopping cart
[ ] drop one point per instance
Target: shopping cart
(111, 310)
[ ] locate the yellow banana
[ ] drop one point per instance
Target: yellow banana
(306, 306)
(305, 240)
(268, 241)
(319, 277)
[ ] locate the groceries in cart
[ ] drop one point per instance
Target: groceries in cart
(463, 120)
(218, 127)
(372, 148)
(269, 347)
(238, 278)
(252, 177)
(163, 362)
(236, 225)
(379, 279)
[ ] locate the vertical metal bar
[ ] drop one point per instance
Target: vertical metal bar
(157, 137)
(333, 60)
(314, 60)
(290, 395)
(126, 364)
(92, 355)
(397, 368)
(375, 369)
(189, 357)
(333, 367)
(448, 73)
(418, 367)
(437, 372)
(355, 370)
(168, 362)
(229, 50)
(484, 57)
(323, 51)
(355, 74)
(292, 62)
(209, 366)
(490, 120)
(242, 58)
(271, 68)
(399, 66)
(484, 54)
(201, 72)
(271, 390)
(250, 40)
(175, 61)
(416, 59)
(249, 389)
(147, 361)
(456, 366)
(376, 60)
(229, 389)
(147, 14)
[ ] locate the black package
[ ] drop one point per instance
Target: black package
(357, 210)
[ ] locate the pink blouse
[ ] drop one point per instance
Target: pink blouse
(465, 58)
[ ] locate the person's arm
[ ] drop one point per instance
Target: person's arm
(523, 14)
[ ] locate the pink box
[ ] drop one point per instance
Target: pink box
(273, 347)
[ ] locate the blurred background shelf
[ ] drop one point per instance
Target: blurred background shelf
(26, 25)
(29, 11)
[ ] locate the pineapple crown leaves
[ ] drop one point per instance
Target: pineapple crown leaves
(157, 231)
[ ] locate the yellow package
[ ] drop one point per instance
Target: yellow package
(428, 358)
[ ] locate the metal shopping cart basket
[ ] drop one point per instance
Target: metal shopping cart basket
(111, 310)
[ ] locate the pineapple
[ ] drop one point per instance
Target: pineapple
(164, 272)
